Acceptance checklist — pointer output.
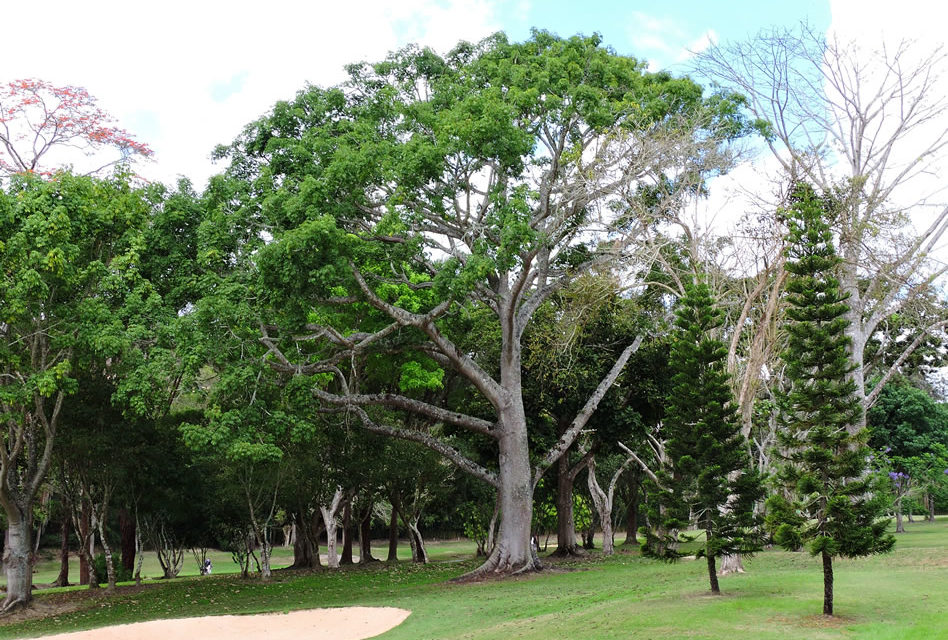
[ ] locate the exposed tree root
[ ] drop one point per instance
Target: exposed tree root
(574, 551)
(13, 605)
(498, 566)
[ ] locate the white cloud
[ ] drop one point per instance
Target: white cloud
(185, 75)
(664, 41)
(699, 44)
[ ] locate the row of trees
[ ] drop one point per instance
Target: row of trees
(476, 253)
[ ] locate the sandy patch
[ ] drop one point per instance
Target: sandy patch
(349, 623)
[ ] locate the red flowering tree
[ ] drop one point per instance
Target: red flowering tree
(39, 119)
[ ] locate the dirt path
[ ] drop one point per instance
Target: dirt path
(349, 623)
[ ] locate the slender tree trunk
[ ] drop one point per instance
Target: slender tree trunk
(712, 571)
(899, 525)
(138, 549)
(492, 526)
(106, 549)
(128, 534)
(346, 533)
(931, 507)
(827, 584)
(266, 552)
(713, 575)
(84, 536)
(16, 561)
(62, 580)
(393, 537)
(418, 552)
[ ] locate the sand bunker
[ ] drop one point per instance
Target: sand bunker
(350, 623)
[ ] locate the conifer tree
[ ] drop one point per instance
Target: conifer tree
(708, 473)
(827, 501)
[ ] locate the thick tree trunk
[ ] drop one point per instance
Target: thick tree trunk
(566, 544)
(632, 514)
(16, 561)
(306, 541)
(731, 563)
(827, 584)
(332, 554)
(589, 535)
(512, 552)
(346, 534)
(62, 580)
(365, 536)
(930, 499)
(393, 537)
(603, 503)
(127, 532)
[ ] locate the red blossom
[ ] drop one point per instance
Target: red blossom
(37, 116)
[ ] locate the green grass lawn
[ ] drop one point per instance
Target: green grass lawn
(900, 595)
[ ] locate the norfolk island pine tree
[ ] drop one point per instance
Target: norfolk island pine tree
(829, 501)
(710, 475)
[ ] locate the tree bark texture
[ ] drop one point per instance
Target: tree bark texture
(603, 503)
(106, 549)
(62, 580)
(346, 533)
(566, 544)
(632, 513)
(827, 584)
(512, 552)
(365, 536)
(731, 563)
(330, 514)
(713, 575)
(17, 562)
(392, 537)
(84, 518)
(306, 540)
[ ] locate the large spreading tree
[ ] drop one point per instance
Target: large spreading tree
(428, 190)
(832, 505)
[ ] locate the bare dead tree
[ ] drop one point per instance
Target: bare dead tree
(869, 128)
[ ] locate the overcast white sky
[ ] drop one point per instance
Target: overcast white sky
(184, 76)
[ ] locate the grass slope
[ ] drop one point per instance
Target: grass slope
(900, 595)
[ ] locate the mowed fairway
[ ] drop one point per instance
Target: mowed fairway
(900, 595)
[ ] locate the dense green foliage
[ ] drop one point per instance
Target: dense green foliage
(833, 506)
(707, 475)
